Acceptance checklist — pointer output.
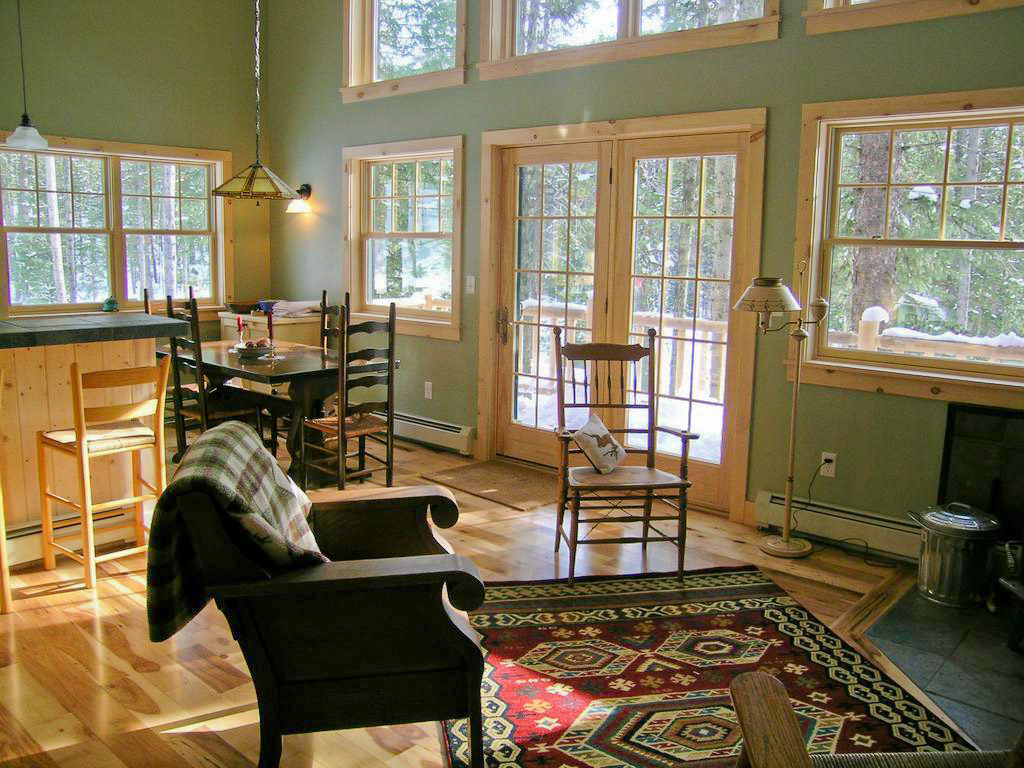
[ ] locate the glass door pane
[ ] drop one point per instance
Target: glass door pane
(555, 230)
(683, 211)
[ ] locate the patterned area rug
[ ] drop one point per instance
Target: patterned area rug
(634, 671)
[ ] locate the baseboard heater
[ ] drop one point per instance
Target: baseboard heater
(440, 434)
(833, 523)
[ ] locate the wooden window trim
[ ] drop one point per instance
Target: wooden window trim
(357, 83)
(821, 19)
(751, 122)
(987, 385)
(499, 60)
(410, 322)
(220, 214)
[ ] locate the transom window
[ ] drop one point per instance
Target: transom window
(401, 46)
(413, 37)
(404, 227)
(79, 227)
(923, 246)
(555, 32)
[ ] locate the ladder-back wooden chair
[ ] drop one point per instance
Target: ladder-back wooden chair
(212, 403)
(360, 366)
(100, 431)
(609, 378)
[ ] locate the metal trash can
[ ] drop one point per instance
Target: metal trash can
(955, 540)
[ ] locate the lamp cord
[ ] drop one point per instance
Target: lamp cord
(21, 52)
(256, 70)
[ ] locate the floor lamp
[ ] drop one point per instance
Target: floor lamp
(768, 296)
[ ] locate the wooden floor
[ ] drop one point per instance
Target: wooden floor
(81, 685)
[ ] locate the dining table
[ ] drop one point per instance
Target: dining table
(298, 376)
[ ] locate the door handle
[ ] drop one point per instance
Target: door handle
(503, 324)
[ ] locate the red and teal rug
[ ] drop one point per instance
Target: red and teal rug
(635, 671)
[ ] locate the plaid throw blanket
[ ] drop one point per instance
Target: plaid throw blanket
(230, 465)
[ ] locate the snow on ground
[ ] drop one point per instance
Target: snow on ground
(1004, 340)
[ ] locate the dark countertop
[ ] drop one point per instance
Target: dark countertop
(80, 329)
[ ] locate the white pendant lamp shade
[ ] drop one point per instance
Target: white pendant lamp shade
(767, 294)
(26, 136)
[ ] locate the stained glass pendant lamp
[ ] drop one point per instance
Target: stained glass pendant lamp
(256, 182)
(25, 136)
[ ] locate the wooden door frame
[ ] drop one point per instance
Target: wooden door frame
(751, 122)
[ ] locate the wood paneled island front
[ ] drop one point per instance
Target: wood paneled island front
(36, 355)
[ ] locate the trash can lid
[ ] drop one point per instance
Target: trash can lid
(958, 519)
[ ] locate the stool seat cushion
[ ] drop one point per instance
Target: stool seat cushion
(106, 437)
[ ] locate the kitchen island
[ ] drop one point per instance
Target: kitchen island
(36, 355)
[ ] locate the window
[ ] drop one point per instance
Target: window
(400, 46)
(404, 201)
(523, 36)
(825, 16)
(79, 226)
(921, 239)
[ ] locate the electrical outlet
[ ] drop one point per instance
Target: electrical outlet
(470, 284)
(828, 461)
(428, 390)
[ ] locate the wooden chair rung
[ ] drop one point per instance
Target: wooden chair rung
(121, 553)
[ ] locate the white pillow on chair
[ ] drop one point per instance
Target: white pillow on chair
(599, 445)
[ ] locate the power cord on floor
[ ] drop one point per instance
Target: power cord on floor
(865, 556)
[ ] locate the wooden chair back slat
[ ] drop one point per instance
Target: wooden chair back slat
(125, 377)
(369, 326)
(368, 353)
(367, 381)
(107, 414)
(359, 409)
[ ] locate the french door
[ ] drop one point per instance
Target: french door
(608, 239)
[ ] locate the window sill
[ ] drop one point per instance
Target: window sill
(822, 21)
(413, 84)
(718, 36)
(446, 329)
(907, 382)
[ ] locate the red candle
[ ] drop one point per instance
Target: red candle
(239, 319)
(270, 325)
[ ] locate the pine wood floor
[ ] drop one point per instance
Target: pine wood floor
(81, 685)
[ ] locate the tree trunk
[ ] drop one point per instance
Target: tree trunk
(972, 161)
(53, 220)
(873, 269)
(168, 247)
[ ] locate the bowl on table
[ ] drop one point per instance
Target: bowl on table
(247, 352)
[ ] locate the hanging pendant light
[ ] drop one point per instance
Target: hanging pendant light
(256, 182)
(25, 136)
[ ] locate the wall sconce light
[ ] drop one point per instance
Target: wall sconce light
(301, 203)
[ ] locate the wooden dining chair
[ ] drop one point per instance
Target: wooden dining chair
(101, 431)
(360, 366)
(611, 379)
(212, 404)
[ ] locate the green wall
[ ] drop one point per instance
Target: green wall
(145, 71)
(889, 447)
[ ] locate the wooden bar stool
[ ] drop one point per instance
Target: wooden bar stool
(105, 430)
(6, 604)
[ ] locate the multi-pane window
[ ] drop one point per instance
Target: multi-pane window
(683, 221)
(168, 229)
(407, 238)
(412, 38)
(824, 16)
(548, 25)
(55, 227)
(923, 243)
(73, 223)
